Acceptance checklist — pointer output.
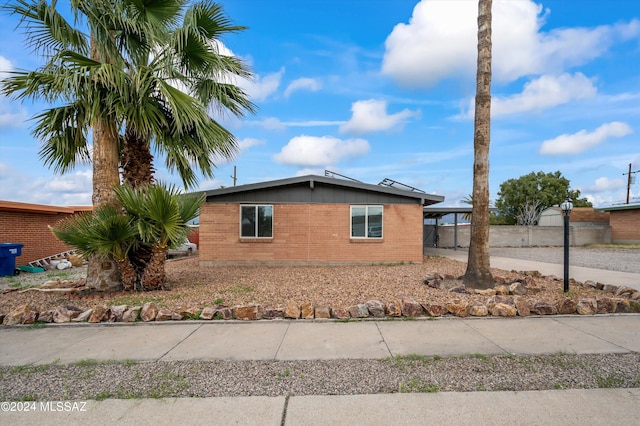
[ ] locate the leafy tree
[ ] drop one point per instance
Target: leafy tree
(545, 189)
(478, 273)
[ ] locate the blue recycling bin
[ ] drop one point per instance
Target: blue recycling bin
(8, 254)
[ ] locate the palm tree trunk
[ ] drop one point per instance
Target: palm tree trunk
(136, 160)
(478, 273)
(128, 274)
(154, 274)
(102, 273)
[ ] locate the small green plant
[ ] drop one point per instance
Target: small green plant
(558, 386)
(29, 397)
(218, 301)
(194, 317)
(37, 324)
(634, 306)
(241, 289)
(611, 381)
(129, 362)
(87, 362)
(480, 356)
(437, 357)
(414, 385)
(101, 396)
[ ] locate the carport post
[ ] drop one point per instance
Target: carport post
(455, 231)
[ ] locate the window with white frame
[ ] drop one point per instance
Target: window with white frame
(366, 221)
(256, 221)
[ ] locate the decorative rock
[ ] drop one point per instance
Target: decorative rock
(544, 308)
(376, 308)
(17, 315)
(501, 290)
(622, 306)
(500, 280)
(503, 310)
(434, 283)
(358, 311)
(589, 284)
(131, 314)
(164, 314)
(394, 308)
(339, 313)
(207, 313)
(116, 312)
(292, 310)
(307, 310)
(435, 309)
(459, 308)
(605, 305)
(522, 306)
(149, 312)
(635, 295)
(486, 292)
(566, 306)
(272, 313)
(460, 289)
(432, 276)
(224, 313)
(478, 311)
(64, 314)
(625, 291)
(609, 288)
(518, 289)
(323, 312)
(189, 313)
(46, 316)
(587, 306)
(411, 308)
(84, 316)
(599, 286)
(248, 312)
(176, 316)
(507, 300)
(98, 314)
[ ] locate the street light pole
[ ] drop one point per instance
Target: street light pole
(566, 207)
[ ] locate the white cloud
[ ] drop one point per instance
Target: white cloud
(315, 151)
(605, 184)
(371, 116)
(541, 93)
(272, 123)
(12, 114)
(65, 190)
(583, 140)
(261, 87)
(302, 84)
(440, 41)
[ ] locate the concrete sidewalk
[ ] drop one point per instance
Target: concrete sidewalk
(312, 340)
(576, 272)
(318, 340)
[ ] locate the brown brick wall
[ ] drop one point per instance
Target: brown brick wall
(31, 229)
(310, 233)
(625, 226)
(588, 214)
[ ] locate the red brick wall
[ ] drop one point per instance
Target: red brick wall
(588, 214)
(310, 233)
(625, 226)
(31, 230)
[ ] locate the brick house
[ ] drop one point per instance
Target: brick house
(28, 224)
(312, 220)
(625, 223)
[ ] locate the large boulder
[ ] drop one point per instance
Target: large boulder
(587, 306)
(566, 306)
(248, 312)
(66, 313)
(459, 308)
(435, 309)
(149, 312)
(376, 308)
(17, 315)
(358, 311)
(394, 308)
(411, 308)
(503, 310)
(292, 310)
(98, 314)
(307, 310)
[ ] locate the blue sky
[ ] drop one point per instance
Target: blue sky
(384, 89)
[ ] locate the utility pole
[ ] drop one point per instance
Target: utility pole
(235, 177)
(629, 173)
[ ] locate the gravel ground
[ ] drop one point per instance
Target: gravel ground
(92, 380)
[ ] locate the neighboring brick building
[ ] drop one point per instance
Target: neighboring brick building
(28, 224)
(625, 223)
(312, 220)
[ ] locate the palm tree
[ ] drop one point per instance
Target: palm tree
(104, 233)
(478, 273)
(160, 215)
(109, 80)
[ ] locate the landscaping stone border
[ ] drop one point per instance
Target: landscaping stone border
(502, 301)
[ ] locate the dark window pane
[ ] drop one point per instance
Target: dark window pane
(248, 221)
(374, 222)
(358, 221)
(265, 221)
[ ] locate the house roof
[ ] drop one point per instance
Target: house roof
(619, 207)
(14, 206)
(270, 190)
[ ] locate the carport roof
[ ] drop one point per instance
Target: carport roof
(438, 212)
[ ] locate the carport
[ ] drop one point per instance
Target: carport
(431, 235)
